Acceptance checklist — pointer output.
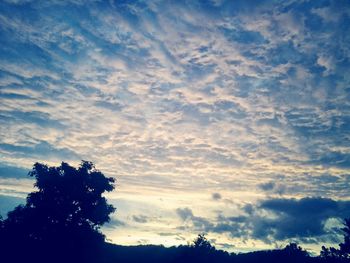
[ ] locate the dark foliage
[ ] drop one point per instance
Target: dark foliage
(290, 254)
(343, 253)
(202, 251)
(60, 220)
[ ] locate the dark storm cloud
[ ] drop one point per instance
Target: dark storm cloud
(277, 219)
(296, 218)
(305, 217)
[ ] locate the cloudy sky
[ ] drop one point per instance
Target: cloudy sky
(229, 118)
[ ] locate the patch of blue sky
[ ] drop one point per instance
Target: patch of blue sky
(26, 11)
(116, 107)
(13, 96)
(196, 71)
(304, 7)
(7, 203)
(316, 23)
(40, 150)
(335, 159)
(13, 172)
(231, 8)
(191, 114)
(209, 7)
(243, 36)
(249, 85)
(285, 53)
(35, 117)
(18, 52)
(166, 87)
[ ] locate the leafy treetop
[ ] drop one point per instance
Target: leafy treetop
(67, 208)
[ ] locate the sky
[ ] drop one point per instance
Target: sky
(229, 118)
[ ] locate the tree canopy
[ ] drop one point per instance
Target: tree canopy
(65, 213)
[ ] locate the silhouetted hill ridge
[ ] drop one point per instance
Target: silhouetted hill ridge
(155, 253)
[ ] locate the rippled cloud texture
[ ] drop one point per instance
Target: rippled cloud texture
(225, 117)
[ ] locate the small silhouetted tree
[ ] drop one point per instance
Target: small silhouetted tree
(295, 252)
(201, 243)
(64, 215)
(202, 251)
(343, 253)
(345, 246)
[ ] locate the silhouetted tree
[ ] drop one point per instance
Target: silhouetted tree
(345, 246)
(294, 253)
(343, 253)
(201, 251)
(202, 243)
(294, 250)
(63, 216)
